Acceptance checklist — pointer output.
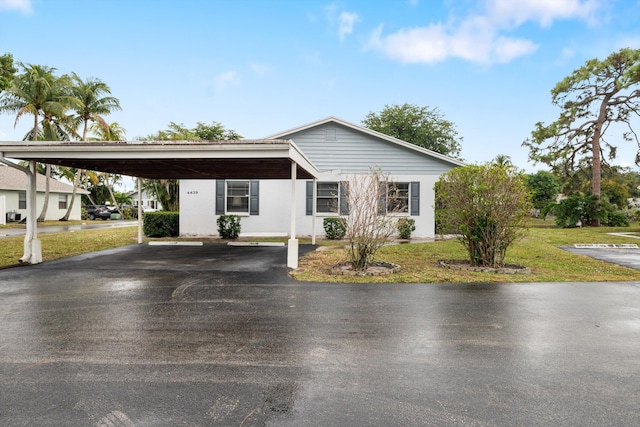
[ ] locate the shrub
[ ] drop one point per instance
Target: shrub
(228, 226)
(161, 224)
(617, 219)
(488, 205)
(583, 210)
(405, 227)
(334, 228)
(367, 228)
(129, 213)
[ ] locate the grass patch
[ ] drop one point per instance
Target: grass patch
(539, 251)
(62, 245)
(42, 224)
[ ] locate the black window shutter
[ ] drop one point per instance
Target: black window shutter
(219, 196)
(254, 198)
(344, 202)
(414, 191)
(309, 197)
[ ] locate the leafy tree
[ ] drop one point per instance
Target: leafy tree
(92, 102)
(578, 210)
(112, 132)
(38, 92)
(544, 188)
(7, 71)
(167, 190)
(593, 98)
(488, 206)
(421, 126)
(502, 160)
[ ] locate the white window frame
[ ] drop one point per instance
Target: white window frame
(227, 196)
(335, 199)
(22, 200)
(407, 208)
(63, 201)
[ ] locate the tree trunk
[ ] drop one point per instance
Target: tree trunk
(76, 182)
(113, 198)
(596, 178)
(47, 183)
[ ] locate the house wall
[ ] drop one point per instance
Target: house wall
(53, 213)
(198, 219)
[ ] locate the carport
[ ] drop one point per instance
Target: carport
(242, 159)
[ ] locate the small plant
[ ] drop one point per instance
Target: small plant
(335, 228)
(406, 226)
(228, 226)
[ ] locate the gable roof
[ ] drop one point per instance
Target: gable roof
(14, 179)
(373, 133)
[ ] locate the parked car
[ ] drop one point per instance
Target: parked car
(98, 211)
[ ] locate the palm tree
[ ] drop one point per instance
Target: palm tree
(37, 91)
(112, 132)
(90, 106)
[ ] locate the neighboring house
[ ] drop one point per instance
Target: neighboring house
(13, 184)
(148, 201)
(338, 149)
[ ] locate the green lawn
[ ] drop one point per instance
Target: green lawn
(538, 251)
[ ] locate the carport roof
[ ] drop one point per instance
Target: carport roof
(241, 159)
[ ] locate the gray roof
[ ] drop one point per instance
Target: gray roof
(13, 179)
(376, 134)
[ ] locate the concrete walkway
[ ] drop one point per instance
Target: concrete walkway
(88, 225)
(219, 336)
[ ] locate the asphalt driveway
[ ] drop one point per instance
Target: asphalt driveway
(213, 335)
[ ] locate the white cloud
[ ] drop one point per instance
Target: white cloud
(23, 6)
(260, 69)
(543, 12)
(481, 37)
(346, 22)
(343, 20)
(223, 80)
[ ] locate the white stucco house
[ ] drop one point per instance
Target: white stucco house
(13, 184)
(339, 150)
(148, 200)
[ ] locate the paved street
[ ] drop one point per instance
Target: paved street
(215, 335)
(88, 225)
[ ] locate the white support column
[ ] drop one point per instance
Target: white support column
(292, 247)
(32, 245)
(314, 208)
(139, 181)
(3, 210)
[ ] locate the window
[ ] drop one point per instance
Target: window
(327, 197)
(22, 200)
(238, 196)
(62, 201)
(398, 197)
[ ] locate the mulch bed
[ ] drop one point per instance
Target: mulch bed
(375, 269)
(460, 264)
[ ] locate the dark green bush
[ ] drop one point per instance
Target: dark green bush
(228, 226)
(577, 211)
(335, 228)
(405, 227)
(617, 219)
(161, 224)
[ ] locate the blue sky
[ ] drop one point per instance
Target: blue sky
(264, 66)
